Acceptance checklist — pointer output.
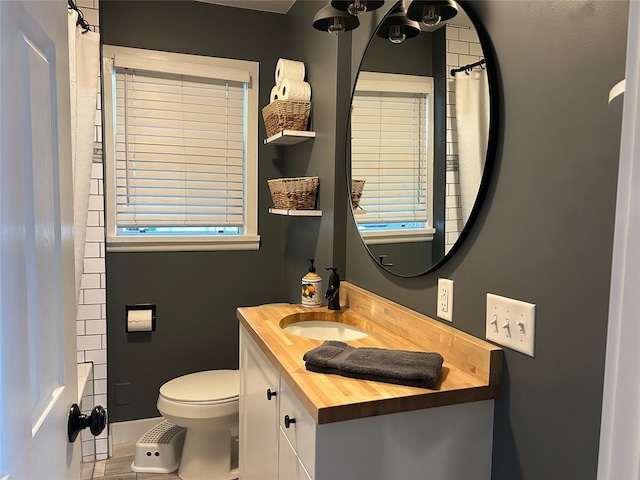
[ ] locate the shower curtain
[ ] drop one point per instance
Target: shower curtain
(472, 120)
(84, 66)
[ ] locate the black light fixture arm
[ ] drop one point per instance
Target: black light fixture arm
(466, 68)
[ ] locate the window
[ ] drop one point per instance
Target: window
(180, 150)
(392, 150)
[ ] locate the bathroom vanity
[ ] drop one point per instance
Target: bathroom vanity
(297, 424)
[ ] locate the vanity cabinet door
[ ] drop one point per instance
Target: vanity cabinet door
(290, 466)
(298, 427)
(258, 413)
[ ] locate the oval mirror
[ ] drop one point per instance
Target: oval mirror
(423, 123)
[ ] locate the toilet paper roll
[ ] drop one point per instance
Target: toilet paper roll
(140, 320)
(289, 69)
(295, 90)
(275, 94)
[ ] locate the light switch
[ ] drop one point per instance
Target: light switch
(511, 323)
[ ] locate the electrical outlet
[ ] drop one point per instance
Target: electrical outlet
(511, 323)
(445, 299)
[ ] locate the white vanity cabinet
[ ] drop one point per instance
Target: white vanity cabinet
(259, 384)
(280, 439)
(265, 452)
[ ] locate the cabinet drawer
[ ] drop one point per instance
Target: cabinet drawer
(301, 433)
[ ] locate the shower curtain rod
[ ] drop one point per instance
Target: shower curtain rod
(81, 20)
(465, 69)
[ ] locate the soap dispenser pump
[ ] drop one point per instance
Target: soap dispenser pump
(333, 292)
(311, 287)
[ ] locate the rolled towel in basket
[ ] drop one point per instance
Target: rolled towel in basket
(292, 69)
(275, 92)
(294, 90)
(401, 367)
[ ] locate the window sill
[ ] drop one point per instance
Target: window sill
(182, 244)
(395, 236)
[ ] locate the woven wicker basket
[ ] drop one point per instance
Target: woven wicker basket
(282, 115)
(294, 193)
(356, 192)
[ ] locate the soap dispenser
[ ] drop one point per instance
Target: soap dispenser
(333, 292)
(311, 287)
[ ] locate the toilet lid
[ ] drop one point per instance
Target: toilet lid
(209, 386)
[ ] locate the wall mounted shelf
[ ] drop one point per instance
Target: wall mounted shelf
(289, 137)
(296, 213)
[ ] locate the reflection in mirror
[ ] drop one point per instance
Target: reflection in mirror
(419, 137)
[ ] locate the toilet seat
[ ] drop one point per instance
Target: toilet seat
(213, 387)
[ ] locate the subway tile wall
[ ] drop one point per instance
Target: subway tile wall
(463, 48)
(91, 321)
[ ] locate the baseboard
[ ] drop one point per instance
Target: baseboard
(132, 430)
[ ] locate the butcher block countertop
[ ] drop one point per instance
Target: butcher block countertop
(471, 370)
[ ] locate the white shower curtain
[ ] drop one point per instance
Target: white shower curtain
(472, 120)
(84, 66)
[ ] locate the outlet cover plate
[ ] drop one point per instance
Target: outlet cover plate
(445, 299)
(511, 323)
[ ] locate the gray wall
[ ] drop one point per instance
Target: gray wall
(544, 234)
(322, 238)
(196, 293)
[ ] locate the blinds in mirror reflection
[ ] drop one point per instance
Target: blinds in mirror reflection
(390, 145)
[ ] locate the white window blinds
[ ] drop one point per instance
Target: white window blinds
(391, 148)
(180, 151)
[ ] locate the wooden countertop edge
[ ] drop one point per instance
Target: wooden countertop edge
(342, 413)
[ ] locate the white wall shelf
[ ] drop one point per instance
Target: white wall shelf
(296, 213)
(289, 137)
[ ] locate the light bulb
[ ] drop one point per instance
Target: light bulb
(337, 27)
(358, 7)
(396, 35)
(430, 16)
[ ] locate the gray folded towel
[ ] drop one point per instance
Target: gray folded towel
(401, 367)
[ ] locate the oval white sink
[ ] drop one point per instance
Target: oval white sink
(325, 330)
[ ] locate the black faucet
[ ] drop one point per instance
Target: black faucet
(333, 292)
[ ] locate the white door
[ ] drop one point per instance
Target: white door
(620, 425)
(37, 303)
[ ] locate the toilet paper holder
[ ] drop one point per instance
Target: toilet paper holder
(132, 310)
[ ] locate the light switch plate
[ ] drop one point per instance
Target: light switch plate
(445, 299)
(511, 323)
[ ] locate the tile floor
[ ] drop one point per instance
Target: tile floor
(118, 467)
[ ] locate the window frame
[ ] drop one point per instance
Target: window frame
(193, 65)
(402, 83)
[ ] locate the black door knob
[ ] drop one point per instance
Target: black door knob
(271, 394)
(96, 421)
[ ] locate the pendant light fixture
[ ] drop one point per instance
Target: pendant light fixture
(397, 27)
(356, 7)
(329, 19)
(432, 12)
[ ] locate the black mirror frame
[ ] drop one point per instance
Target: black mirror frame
(492, 143)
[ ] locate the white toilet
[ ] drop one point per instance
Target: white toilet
(206, 403)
